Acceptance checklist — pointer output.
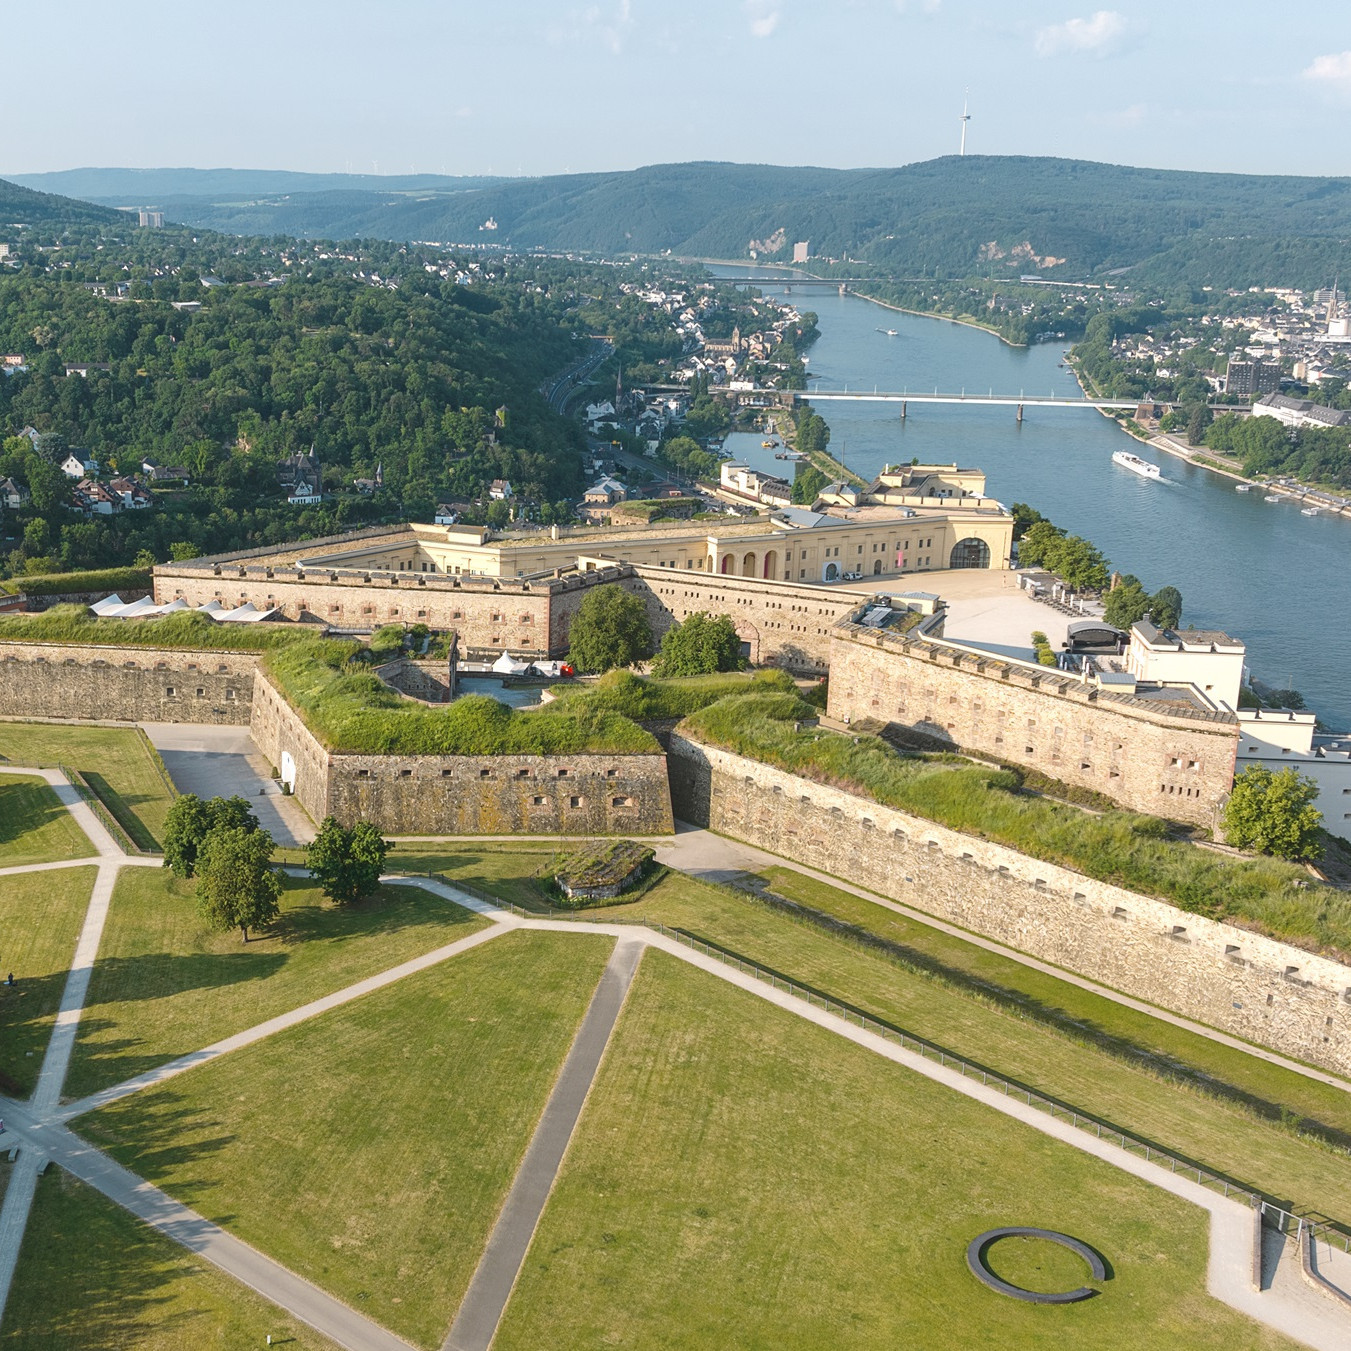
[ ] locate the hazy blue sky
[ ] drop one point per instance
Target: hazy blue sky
(508, 86)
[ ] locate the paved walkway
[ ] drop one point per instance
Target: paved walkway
(481, 1310)
(41, 1133)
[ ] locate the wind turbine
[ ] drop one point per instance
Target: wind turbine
(965, 118)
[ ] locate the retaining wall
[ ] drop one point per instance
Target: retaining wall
(1242, 983)
(1168, 759)
(130, 684)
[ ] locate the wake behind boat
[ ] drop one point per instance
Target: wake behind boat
(1135, 464)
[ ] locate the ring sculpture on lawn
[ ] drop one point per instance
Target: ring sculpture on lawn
(975, 1259)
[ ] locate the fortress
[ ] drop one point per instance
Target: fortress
(1165, 746)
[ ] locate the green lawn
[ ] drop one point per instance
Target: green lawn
(91, 1277)
(1220, 1134)
(370, 1149)
(743, 1178)
(34, 826)
(1089, 1015)
(164, 985)
(507, 871)
(40, 918)
(114, 760)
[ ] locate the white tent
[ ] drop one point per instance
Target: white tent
(506, 665)
(108, 605)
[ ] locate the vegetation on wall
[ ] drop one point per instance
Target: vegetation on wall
(76, 626)
(1124, 848)
(348, 708)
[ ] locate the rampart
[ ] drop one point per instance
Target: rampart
(129, 683)
(784, 624)
(1170, 759)
(1231, 979)
(464, 794)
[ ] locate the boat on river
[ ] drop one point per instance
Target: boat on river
(1136, 465)
(890, 332)
(1308, 511)
(1272, 497)
(1243, 487)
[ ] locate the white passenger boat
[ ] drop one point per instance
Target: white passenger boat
(1135, 464)
(1308, 511)
(1243, 487)
(1272, 497)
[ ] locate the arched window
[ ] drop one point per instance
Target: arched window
(970, 553)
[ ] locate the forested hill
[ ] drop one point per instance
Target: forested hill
(23, 206)
(946, 217)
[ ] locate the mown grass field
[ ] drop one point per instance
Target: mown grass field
(165, 985)
(34, 826)
(91, 1277)
(742, 1178)
(40, 919)
(1218, 1133)
(114, 760)
(370, 1149)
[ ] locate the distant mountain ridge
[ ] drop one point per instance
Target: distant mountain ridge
(954, 216)
(23, 206)
(146, 187)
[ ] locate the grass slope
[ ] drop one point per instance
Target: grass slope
(116, 762)
(165, 985)
(370, 1149)
(1222, 1134)
(34, 826)
(1121, 847)
(744, 1178)
(40, 919)
(91, 1277)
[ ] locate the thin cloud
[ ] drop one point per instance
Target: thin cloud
(764, 16)
(1094, 35)
(1332, 71)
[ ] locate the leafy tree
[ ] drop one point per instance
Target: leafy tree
(610, 629)
(807, 484)
(347, 863)
(1080, 564)
(1040, 537)
(700, 645)
(1274, 813)
(190, 820)
(236, 884)
(1165, 607)
(1126, 603)
(1024, 517)
(1198, 421)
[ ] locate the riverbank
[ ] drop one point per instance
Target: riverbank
(937, 314)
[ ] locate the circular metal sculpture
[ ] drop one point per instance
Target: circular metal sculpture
(975, 1259)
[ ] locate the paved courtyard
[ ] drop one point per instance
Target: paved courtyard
(985, 608)
(222, 762)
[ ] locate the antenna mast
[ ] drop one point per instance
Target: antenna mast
(965, 118)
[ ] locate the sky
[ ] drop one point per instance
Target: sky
(546, 86)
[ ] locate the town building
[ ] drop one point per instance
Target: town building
(1243, 378)
(1300, 412)
(1204, 659)
(1281, 738)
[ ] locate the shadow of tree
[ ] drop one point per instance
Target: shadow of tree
(25, 807)
(27, 1009)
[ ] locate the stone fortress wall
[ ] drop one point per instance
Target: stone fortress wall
(1168, 759)
(464, 794)
(1242, 983)
(130, 683)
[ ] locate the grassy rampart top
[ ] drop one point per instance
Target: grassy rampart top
(348, 708)
(1124, 848)
(187, 629)
(645, 700)
(78, 583)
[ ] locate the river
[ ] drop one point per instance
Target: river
(1259, 570)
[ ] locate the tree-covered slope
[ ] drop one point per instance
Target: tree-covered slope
(949, 216)
(23, 206)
